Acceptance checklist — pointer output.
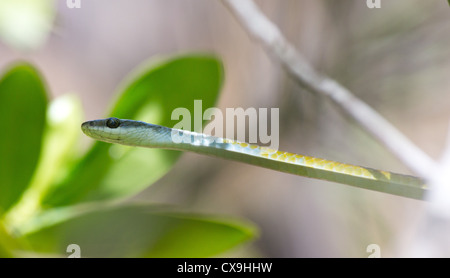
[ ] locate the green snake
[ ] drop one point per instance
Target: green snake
(141, 134)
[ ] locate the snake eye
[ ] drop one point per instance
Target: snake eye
(113, 123)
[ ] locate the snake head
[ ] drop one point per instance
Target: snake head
(125, 132)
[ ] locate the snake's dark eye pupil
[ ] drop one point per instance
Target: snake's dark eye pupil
(113, 123)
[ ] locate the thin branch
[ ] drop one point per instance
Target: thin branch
(432, 238)
(439, 179)
(264, 31)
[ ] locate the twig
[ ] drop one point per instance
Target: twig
(432, 237)
(440, 182)
(263, 30)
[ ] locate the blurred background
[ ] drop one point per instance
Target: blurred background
(395, 58)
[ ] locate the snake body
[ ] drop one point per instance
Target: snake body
(141, 134)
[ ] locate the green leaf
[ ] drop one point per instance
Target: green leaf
(141, 231)
(23, 101)
(6, 243)
(151, 94)
(25, 24)
(61, 141)
(60, 147)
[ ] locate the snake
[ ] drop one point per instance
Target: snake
(142, 134)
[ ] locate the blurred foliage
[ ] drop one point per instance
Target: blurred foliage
(23, 102)
(52, 196)
(25, 24)
(140, 231)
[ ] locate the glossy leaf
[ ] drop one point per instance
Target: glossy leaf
(141, 231)
(151, 94)
(23, 102)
